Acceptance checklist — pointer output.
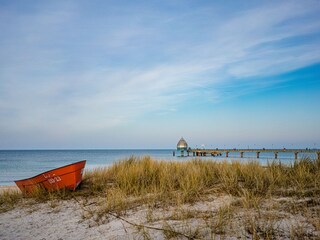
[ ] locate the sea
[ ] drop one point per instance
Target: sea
(21, 164)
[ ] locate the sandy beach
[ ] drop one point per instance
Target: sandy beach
(72, 220)
(64, 221)
(149, 199)
(217, 217)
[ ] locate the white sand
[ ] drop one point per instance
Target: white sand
(64, 220)
(57, 220)
(42, 221)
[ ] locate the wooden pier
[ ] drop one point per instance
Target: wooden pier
(220, 152)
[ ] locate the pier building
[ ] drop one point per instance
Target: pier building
(182, 147)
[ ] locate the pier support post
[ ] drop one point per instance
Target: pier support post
(204, 154)
(227, 154)
(296, 155)
(258, 154)
(194, 154)
(241, 154)
(173, 153)
(276, 155)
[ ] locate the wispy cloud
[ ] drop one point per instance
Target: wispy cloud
(80, 67)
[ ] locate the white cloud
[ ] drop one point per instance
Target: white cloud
(57, 69)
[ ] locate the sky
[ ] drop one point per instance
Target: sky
(143, 74)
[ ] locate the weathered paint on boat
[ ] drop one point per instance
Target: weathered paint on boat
(68, 177)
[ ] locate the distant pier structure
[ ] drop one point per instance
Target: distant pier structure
(184, 150)
(219, 152)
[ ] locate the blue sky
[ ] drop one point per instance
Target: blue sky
(141, 74)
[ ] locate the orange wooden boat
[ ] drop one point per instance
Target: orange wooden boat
(68, 177)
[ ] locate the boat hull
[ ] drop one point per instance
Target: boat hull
(66, 177)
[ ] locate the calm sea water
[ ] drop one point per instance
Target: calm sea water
(20, 164)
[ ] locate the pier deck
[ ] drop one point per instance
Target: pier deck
(219, 152)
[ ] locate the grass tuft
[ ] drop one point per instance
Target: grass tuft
(9, 199)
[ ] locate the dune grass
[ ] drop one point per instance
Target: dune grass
(191, 179)
(8, 199)
(185, 182)
(135, 182)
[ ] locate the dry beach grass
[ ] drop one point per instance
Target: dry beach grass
(195, 199)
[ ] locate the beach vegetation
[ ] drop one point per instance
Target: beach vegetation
(9, 199)
(181, 182)
(264, 198)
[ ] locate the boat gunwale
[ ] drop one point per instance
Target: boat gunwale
(49, 171)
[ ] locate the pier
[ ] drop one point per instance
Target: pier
(219, 152)
(183, 148)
